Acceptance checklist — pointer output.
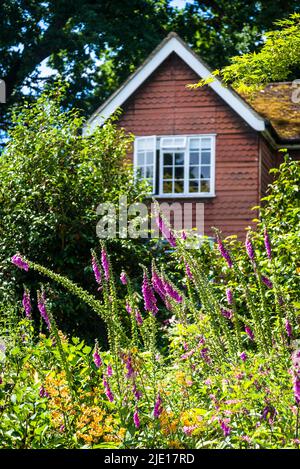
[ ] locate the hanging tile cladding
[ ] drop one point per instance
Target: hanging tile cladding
(164, 106)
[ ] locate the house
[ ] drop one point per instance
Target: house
(207, 145)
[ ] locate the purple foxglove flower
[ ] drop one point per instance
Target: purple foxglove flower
(42, 309)
(296, 388)
(137, 394)
(158, 407)
(109, 370)
(96, 357)
(187, 354)
(27, 304)
(171, 292)
(267, 243)
(229, 296)
(288, 328)
(249, 247)
(267, 281)
(225, 428)
(158, 285)
(188, 271)
(62, 428)
(226, 313)
(249, 332)
(224, 253)
(204, 355)
(105, 263)
(123, 278)
(19, 262)
(138, 317)
(128, 364)
(243, 356)
(43, 392)
(165, 231)
(183, 235)
(268, 411)
(108, 391)
(136, 419)
(96, 270)
(128, 308)
(149, 298)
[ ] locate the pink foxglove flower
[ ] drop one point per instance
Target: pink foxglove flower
(108, 391)
(243, 356)
(105, 263)
(224, 253)
(27, 304)
(19, 262)
(158, 407)
(96, 356)
(123, 278)
(96, 270)
(138, 317)
(136, 419)
(109, 370)
(165, 231)
(226, 313)
(148, 295)
(288, 328)
(249, 332)
(42, 309)
(225, 428)
(229, 296)
(267, 243)
(249, 247)
(267, 281)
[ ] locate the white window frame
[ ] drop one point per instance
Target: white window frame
(135, 158)
(159, 146)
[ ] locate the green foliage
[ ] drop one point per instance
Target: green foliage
(278, 59)
(51, 181)
(96, 45)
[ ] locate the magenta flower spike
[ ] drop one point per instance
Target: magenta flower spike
(224, 253)
(226, 313)
(148, 295)
(96, 270)
(165, 231)
(109, 370)
(267, 243)
(138, 317)
(158, 407)
(19, 262)
(267, 281)
(105, 263)
(136, 419)
(243, 356)
(188, 271)
(27, 304)
(96, 356)
(249, 248)
(249, 332)
(108, 391)
(42, 309)
(288, 328)
(229, 296)
(225, 428)
(123, 278)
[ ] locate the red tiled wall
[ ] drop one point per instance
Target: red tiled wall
(164, 106)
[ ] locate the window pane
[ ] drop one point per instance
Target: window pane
(168, 158)
(179, 158)
(205, 186)
(205, 172)
(145, 143)
(194, 186)
(179, 172)
(141, 159)
(178, 187)
(149, 171)
(205, 157)
(206, 143)
(194, 143)
(149, 157)
(194, 172)
(168, 172)
(167, 187)
(194, 157)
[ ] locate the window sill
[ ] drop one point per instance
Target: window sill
(181, 196)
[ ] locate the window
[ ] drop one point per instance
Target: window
(177, 165)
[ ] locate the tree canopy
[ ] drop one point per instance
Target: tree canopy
(95, 44)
